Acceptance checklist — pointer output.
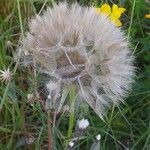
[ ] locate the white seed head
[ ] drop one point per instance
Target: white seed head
(83, 124)
(98, 137)
(75, 45)
(5, 75)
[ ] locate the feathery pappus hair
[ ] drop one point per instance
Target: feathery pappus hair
(75, 45)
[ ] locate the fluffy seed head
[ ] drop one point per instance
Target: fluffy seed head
(5, 75)
(75, 45)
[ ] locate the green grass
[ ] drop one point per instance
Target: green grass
(126, 126)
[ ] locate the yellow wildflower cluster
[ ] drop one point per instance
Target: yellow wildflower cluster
(147, 16)
(113, 13)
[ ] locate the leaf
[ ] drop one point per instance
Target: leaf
(63, 98)
(12, 92)
(95, 146)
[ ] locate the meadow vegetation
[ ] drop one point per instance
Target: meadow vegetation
(23, 122)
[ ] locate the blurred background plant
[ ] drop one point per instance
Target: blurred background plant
(23, 122)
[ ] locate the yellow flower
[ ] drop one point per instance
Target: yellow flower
(116, 12)
(106, 9)
(147, 16)
(113, 13)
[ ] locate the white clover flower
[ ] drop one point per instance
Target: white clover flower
(71, 143)
(83, 124)
(5, 75)
(75, 45)
(98, 137)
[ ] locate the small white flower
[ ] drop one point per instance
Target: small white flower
(66, 108)
(30, 97)
(83, 124)
(49, 96)
(30, 140)
(71, 143)
(5, 75)
(98, 137)
(9, 45)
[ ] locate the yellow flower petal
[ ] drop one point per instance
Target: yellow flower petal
(147, 16)
(117, 10)
(114, 8)
(115, 15)
(106, 9)
(98, 10)
(121, 9)
(117, 22)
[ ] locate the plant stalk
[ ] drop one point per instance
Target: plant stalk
(50, 145)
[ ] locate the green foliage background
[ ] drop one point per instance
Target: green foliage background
(127, 126)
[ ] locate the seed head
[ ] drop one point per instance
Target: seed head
(5, 75)
(75, 45)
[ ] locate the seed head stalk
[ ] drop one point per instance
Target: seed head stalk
(50, 146)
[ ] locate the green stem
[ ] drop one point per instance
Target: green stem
(4, 96)
(71, 124)
(50, 146)
(20, 19)
(131, 19)
(72, 95)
